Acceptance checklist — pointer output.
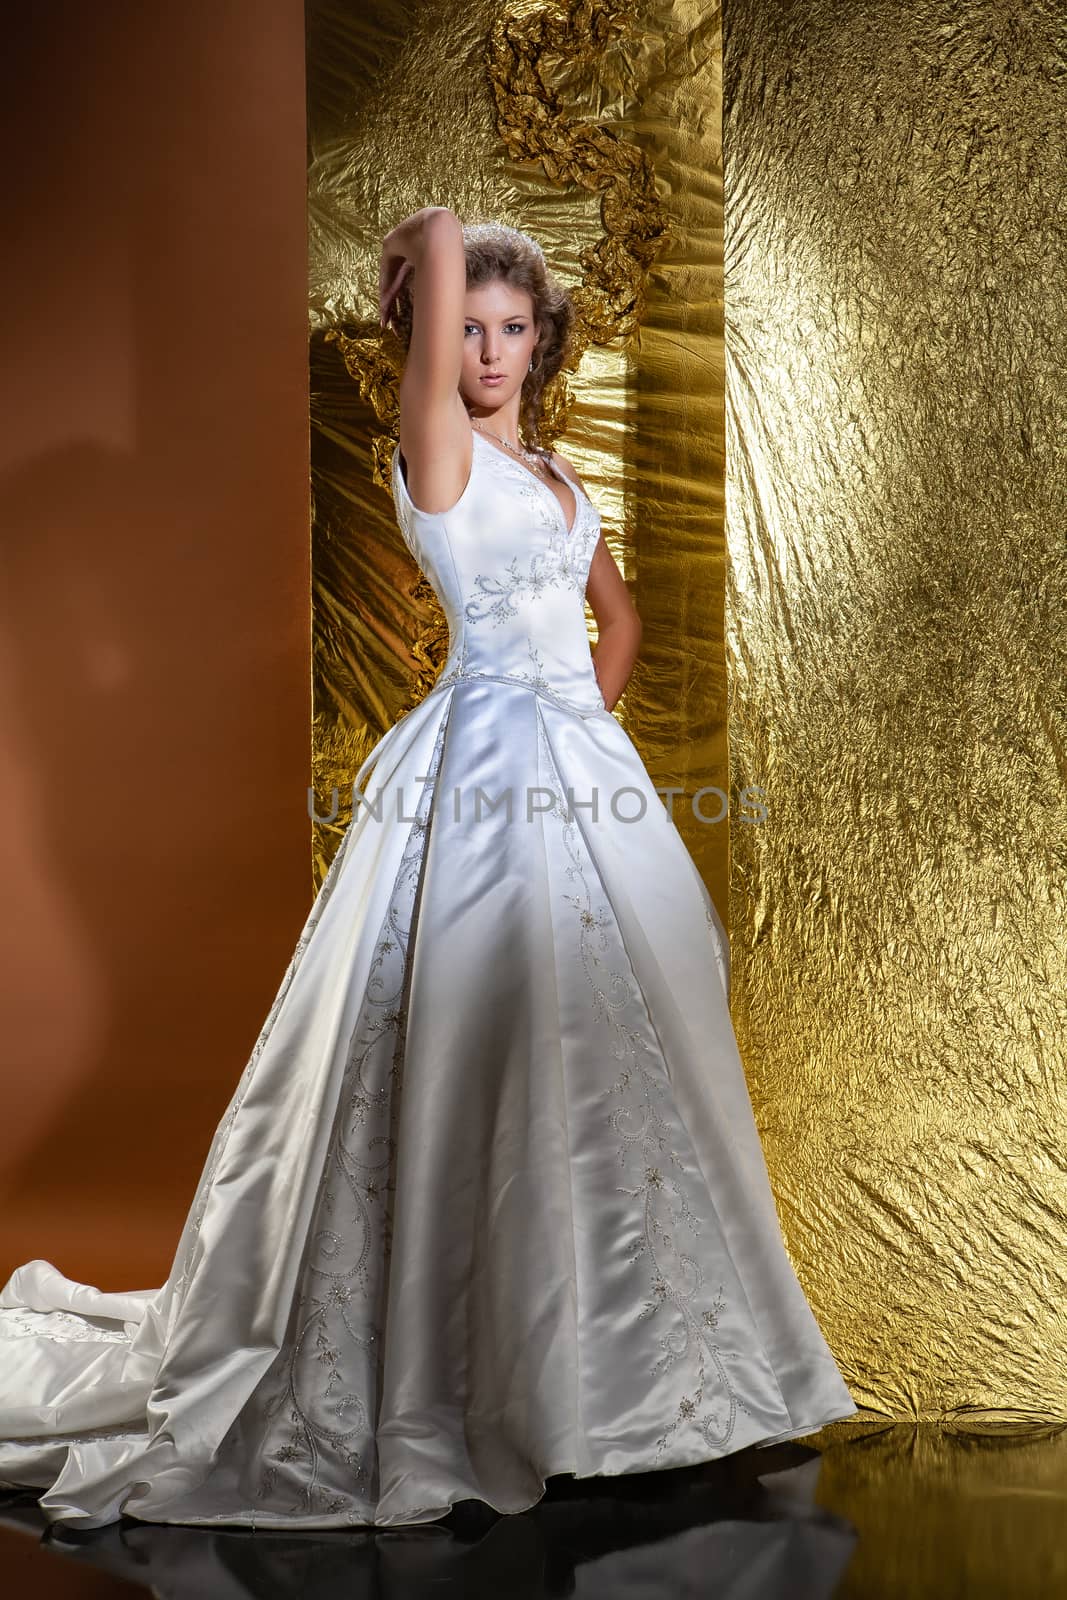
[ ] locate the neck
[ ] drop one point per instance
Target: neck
(503, 421)
(516, 443)
(534, 458)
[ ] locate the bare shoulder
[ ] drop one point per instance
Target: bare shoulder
(565, 466)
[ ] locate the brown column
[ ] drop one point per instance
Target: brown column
(154, 613)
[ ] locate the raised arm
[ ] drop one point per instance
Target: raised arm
(435, 435)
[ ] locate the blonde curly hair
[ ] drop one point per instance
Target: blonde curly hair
(496, 252)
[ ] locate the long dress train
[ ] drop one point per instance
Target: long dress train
(489, 1201)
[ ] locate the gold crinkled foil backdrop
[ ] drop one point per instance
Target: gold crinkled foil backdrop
(596, 126)
(896, 327)
(887, 627)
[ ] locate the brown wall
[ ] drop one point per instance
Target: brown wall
(154, 627)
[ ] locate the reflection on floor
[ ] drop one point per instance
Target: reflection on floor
(864, 1508)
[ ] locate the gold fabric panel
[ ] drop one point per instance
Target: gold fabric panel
(896, 482)
(596, 127)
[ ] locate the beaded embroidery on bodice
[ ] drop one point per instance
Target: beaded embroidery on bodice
(510, 576)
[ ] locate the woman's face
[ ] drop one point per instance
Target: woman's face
(499, 338)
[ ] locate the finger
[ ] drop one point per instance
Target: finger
(393, 292)
(385, 265)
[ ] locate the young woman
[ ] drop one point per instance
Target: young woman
(489, 1203)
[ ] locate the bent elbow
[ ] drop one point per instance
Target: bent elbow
(442, 217)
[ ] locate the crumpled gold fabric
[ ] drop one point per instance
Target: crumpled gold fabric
(897, 315)
(893, 406)
(568, 120)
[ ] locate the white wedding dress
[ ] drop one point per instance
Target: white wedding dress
(489, 1202)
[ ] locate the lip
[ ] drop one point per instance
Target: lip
(492, 378)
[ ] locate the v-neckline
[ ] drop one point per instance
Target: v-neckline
(540, 482)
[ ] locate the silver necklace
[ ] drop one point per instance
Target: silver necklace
(531, 457)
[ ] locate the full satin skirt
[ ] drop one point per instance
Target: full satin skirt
(488, 1203)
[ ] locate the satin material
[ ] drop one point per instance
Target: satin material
(489, 1202)
(774, 1539)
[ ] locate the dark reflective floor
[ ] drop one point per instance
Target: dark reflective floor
(974, 1509)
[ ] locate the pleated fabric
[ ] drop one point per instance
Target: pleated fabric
(488, 1202)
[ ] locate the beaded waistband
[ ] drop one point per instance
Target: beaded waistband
(521, 681)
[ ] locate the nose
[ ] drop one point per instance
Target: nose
(489, 354)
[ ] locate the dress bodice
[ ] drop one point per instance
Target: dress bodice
(510, 577)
